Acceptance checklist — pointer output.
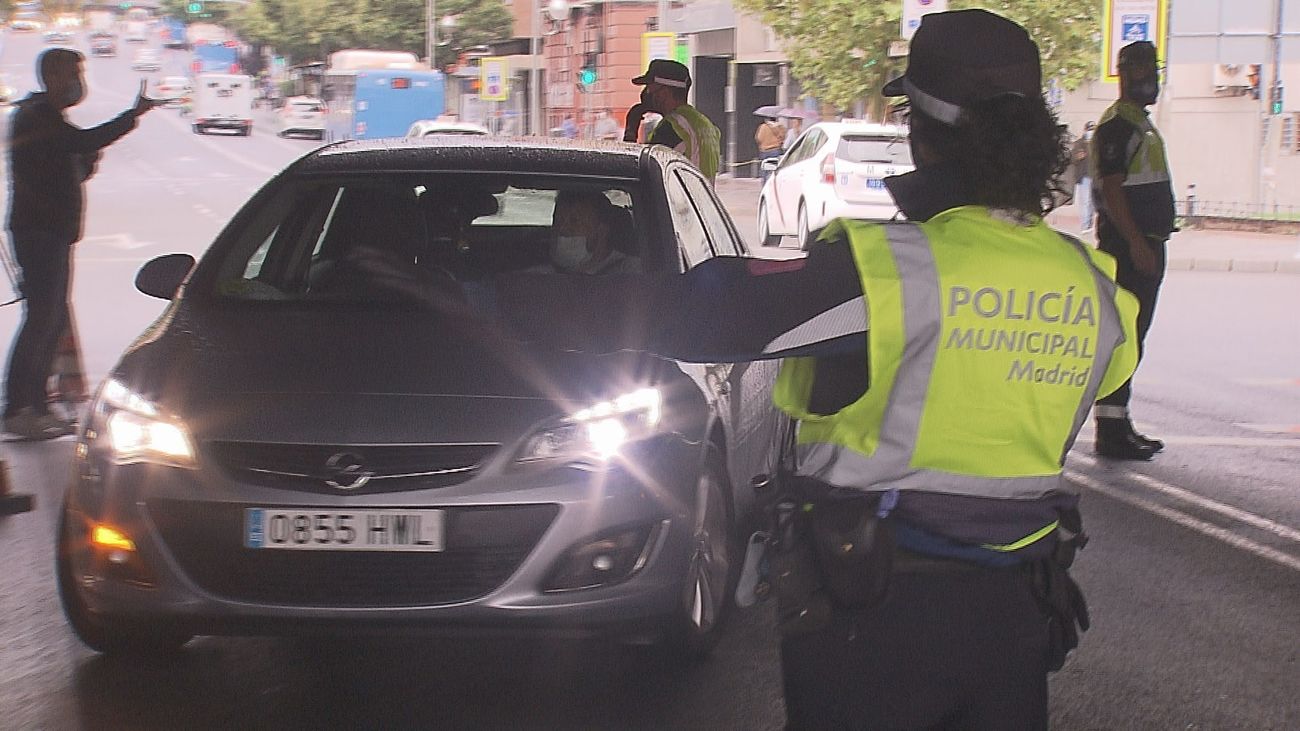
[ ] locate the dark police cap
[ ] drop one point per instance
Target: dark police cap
(962, 57)
(665, 72)
(1139, 53)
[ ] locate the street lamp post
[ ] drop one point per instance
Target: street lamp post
(430, 33)
(558, 10)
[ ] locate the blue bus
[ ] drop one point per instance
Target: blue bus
(369, 103)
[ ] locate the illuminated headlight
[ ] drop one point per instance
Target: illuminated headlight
(137, 431)
(599, 431)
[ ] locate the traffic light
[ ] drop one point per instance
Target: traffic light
(587, 75)
(194, 8)
(1275, 99)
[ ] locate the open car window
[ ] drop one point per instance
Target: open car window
(369, 239)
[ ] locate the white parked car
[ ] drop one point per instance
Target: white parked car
(172, 90)
(425, 127)
(834, 170)
(146, 59)
(302, 115)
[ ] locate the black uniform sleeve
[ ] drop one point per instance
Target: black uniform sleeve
(665, 135)
(1111, 143)
(728, 309)
(69, 138)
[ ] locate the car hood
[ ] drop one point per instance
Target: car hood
(343, 376)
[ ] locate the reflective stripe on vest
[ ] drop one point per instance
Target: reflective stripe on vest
(701, 140)
(1146, 150)
(882, 441)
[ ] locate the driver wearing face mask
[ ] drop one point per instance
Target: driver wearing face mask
(585, 224)
(49, 161)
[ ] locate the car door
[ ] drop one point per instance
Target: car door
(741, 393)
(793, 177)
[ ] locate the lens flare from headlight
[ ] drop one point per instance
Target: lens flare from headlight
(137, 431)
(599, 431)
(606, 436)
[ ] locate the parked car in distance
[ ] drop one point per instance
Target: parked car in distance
(330, 430)
(302, 115)
(833, 170)
(425, 127)
(57, 35)
(173, 90)
(146, 59)
(27, 22)
(103, 44)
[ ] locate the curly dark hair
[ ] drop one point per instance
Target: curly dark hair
(1010, 151)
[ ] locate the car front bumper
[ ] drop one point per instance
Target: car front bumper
(190, 569)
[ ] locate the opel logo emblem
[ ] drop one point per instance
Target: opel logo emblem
(345, 471)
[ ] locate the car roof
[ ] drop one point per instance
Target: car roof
(865, 129)
(484, 153)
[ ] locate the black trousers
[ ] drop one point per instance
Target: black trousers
(46, 272)
(964, 650)
(1145, 287)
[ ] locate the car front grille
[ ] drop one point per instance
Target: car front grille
(389, 468)
(484, 546)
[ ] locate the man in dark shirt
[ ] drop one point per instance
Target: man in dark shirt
(49, 159)
(1135, 216)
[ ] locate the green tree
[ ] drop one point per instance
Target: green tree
(312, 29)
(838, 49)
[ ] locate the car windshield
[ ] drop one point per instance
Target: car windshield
(397, 239)
(863, 148)
(307, 107)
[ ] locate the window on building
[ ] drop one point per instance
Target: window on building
(1290, 144)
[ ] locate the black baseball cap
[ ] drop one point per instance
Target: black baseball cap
(961, 57)
(1138, 53)
(668, 73)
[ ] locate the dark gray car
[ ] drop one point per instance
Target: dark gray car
(330, 428)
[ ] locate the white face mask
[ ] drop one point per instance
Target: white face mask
(569, 251)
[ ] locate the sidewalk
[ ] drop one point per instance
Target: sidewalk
(1213, 251)
(1189, 250)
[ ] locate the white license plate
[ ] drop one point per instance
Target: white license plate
(305, 529)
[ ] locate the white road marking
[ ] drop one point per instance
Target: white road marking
(1213, 505)
(221, 149)
(1272, 428)
(123, 242)
(1267, 381)
(1187, 521)
(1217, 441)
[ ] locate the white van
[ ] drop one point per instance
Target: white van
(223, 101)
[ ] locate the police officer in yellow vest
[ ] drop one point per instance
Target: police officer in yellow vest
(938, 371)
(683, 128)
(1135, 205)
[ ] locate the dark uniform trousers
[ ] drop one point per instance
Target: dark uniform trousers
(1145, 287)
(963, 649)
(44, 259)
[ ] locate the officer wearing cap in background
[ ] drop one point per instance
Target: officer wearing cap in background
(1135, 216)
(938, 372)
(683, 128)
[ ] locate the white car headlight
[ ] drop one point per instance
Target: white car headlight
(137, 431)
(599, 431)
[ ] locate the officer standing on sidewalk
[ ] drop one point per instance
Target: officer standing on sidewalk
(938, 371)
(1135, 215)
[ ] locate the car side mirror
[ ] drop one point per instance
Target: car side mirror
(769, 164)
(162, 276)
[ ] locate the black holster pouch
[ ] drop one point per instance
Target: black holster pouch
(832, 550)
(1058, 595)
